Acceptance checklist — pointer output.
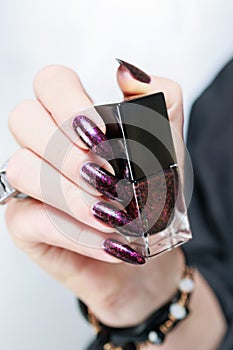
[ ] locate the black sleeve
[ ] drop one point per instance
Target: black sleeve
(210, 143)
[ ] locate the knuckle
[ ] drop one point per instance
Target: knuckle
(51, 73)
(21, 219)
(176, 107)
(73, 162)
(13, 222)
(18, 112)
(177, 91)
(14, 169)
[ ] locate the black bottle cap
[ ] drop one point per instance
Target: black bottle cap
(143, 135)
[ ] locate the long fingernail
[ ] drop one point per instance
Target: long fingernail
(117, 218)
(92, 136)
(106, 183)
(136, 73)
(100, 179)
(123, 252)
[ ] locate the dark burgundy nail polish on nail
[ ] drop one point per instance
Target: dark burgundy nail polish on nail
(100, 179)
(123, 252)
(150, 212)
(136, 73)
(117, 218)
(106, 183)
(92, 136)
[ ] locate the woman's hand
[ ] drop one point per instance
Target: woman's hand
(118, 293)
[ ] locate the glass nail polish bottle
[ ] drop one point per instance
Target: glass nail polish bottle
(144, 157)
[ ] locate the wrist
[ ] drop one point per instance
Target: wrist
(163, 276)
(143, 290)
(158, 284)
(154, 328)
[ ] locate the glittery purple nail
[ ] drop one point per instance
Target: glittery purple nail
(123, 252)
(92, 136)
(149, 212)
(136, 73)
(118, 219)
(106, 183)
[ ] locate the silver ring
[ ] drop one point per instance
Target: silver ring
(6, 190)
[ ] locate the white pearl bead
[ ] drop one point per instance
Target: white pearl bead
(186, 285)
(178, 311)
(153, 337)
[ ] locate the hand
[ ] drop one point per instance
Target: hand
(119, 294)
(105, 286)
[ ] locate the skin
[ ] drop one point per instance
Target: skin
(104, 283)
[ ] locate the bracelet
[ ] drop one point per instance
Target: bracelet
(153, 330)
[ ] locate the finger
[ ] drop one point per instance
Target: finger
(61, 92)
(59, 89)
(32, 226)
(127, 77)
(72, 264)
(172, 92)
(37, 229)
(33, 128)
(35, 177)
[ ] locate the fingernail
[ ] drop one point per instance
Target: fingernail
(92, 136)
(100, 179)
(106, 183)
(117, 218)
(136, 73)
(123, 252)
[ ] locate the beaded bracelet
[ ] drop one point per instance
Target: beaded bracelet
(153, 330)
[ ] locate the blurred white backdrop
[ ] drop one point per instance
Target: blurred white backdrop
(188, 41)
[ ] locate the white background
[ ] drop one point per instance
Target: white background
(185, 40)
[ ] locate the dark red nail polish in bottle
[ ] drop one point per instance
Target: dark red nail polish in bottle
(150, 212)
(157, 206)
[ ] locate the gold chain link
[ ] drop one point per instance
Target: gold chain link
(110, 346)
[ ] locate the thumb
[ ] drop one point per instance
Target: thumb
(134, 82)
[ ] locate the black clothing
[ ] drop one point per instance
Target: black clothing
(210, 143)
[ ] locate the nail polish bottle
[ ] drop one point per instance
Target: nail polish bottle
(141, 139)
